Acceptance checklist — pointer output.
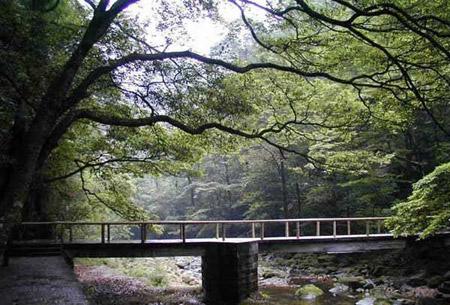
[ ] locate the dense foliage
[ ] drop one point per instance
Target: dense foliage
(427, 210)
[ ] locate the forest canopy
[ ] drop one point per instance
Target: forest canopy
(302, 108)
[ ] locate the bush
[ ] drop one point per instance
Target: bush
(427, 210)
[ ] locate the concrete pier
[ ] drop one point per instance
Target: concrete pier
(229, 272)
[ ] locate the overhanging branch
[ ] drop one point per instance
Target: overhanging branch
(108, 119)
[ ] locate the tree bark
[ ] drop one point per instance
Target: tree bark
(191, 191)
(284, 190)
(299, 200)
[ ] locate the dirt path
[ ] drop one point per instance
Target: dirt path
(39, 281)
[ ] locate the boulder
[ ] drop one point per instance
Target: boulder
(369, 284)
(309, 292)
(354, 282)
(339, 289)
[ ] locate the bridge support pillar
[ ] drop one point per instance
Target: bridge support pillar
(229, 272)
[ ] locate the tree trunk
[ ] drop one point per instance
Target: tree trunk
(191, 191)
(19, 182)
(284, 190)
(228, 181)
(299, 200)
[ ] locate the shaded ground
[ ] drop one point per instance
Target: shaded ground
(39, 281)
(107, 286)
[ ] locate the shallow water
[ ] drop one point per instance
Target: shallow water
(285, 295)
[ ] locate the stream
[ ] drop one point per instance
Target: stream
(177, 281)
(285, 295)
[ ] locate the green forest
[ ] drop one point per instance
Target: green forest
(306, 108)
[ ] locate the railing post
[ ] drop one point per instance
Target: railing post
(70, 233)
(143, 232)
(286, 229)
(103, 233)
(298, 229)
(334, 229)
(349, 230)
(262, 230)
(183, 232)
(21, 229)
(55, 229)
(108, 232)
(318, 228)
(253, 230)
(379, 226)
(61, 232)
(223, 231)
(217, 231)
(367, 228)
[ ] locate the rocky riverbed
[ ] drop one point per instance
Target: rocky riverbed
(395, 277)
(383, 278)
(146, 281)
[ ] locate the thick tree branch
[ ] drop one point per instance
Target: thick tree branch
(107, 119)
(87, 165)
(81, 91)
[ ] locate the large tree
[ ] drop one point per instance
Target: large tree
(94, 65)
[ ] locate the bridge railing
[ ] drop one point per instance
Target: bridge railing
(293, 228)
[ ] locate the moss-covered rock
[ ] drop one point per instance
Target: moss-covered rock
(309, 291)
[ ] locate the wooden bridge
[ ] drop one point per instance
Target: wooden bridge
(229, 263)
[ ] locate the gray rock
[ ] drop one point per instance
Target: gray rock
(403, 302)
(369, 284)
(366, 301)
(339, 289)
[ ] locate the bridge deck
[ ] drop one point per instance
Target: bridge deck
(342, 239)
(267, 239)
(198, 246)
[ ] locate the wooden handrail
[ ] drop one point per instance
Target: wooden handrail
(220, 225)
(202, 222)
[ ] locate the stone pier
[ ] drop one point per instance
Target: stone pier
(229, 272)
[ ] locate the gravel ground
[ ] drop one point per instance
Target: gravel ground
(106, 286)
(40, 281)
